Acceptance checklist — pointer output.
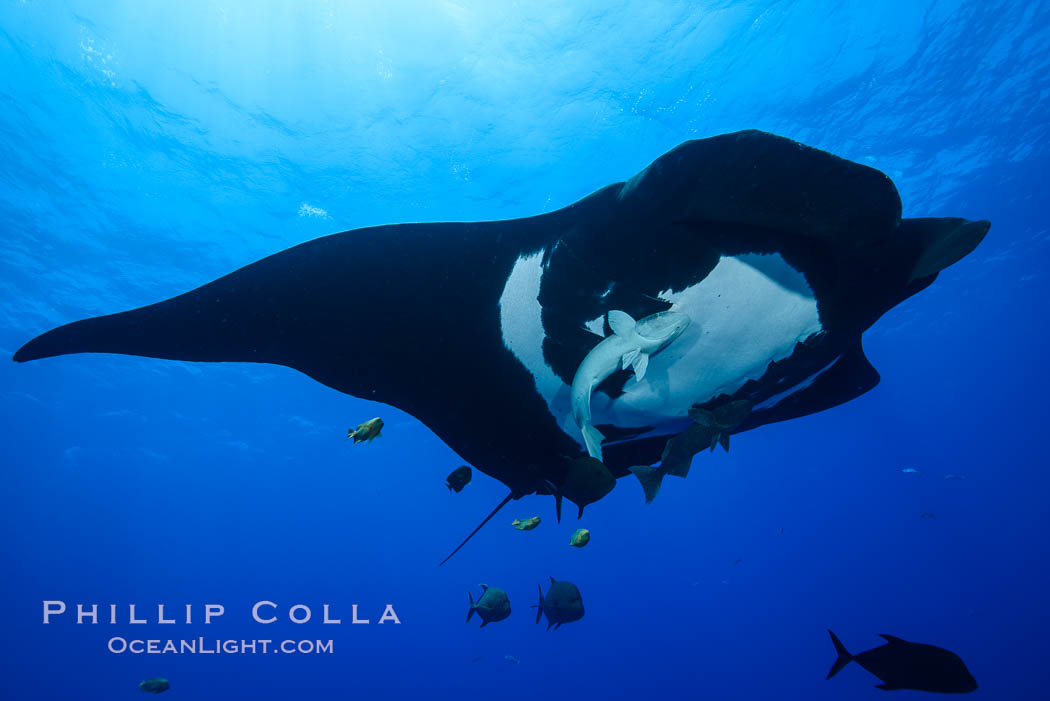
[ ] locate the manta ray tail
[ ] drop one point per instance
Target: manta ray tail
(480, 526)
(593, 438)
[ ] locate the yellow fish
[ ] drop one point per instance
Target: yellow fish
(526, 525)
(367, 431)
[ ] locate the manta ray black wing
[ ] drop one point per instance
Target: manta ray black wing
(414, 315)
(407, 315)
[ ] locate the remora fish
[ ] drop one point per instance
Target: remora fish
(630, 345)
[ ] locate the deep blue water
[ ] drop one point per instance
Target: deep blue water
(148, 148)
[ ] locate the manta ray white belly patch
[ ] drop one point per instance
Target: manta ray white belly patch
(521, 323)
(749, 311)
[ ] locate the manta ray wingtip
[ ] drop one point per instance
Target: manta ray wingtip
(32, 351)
(100, 334)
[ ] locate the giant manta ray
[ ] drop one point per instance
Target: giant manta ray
(776, 256)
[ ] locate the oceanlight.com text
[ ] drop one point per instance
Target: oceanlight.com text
(215, 646)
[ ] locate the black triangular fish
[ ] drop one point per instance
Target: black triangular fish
(900, 664)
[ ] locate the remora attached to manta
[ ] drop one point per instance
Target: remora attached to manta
(778, 254)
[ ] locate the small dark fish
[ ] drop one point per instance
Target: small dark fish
(478, 658)
(721, 420)
(710, 428)
(491, 607)
(458, 479)
(903, 665)
(563, 604)
(154, 685)
(587, 481)
(737, 561)
(368, 431)
(927, 515)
